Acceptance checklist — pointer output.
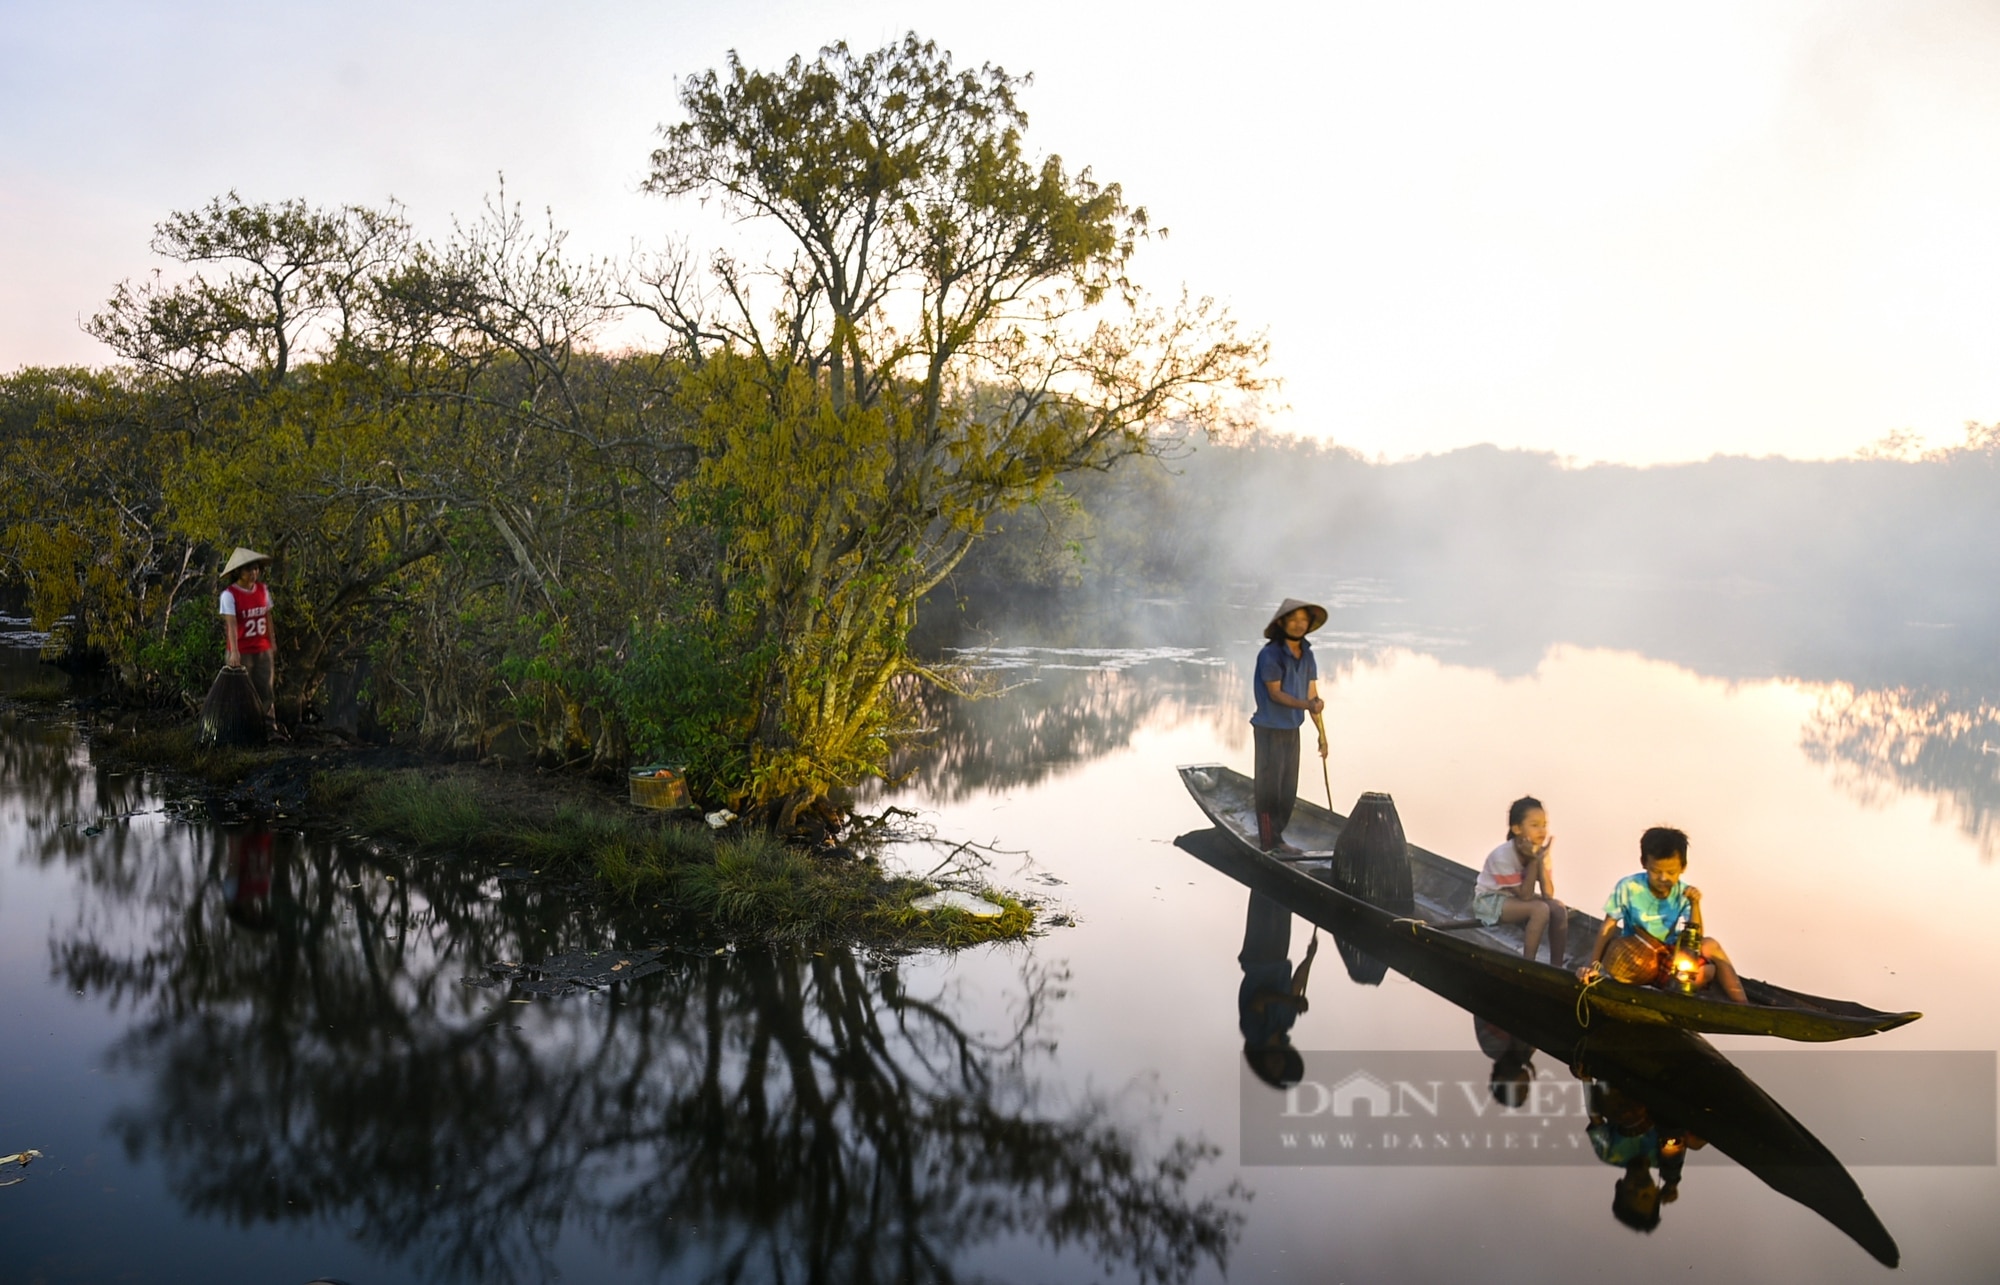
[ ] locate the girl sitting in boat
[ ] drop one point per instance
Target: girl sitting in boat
(1506, 891)
(1647, 913)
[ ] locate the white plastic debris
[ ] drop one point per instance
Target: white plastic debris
(952, 899)
(719, 818)
(20, 1158)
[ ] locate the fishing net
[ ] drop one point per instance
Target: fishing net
(231, 715)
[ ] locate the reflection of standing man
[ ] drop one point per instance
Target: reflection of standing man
(248, 642)
(1287, 689)
(1272, 995)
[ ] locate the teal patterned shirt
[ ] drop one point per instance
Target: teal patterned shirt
(1633, 905)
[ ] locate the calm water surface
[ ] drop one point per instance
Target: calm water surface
(252, 1054)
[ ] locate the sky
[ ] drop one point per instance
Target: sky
(1624, 232)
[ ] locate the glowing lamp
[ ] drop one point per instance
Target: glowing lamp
(1687, 960)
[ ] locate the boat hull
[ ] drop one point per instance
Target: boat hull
(1443, 892)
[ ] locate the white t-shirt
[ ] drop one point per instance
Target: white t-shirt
(1502, 871)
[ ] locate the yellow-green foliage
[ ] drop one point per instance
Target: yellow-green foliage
(711, 551)
(84, 525)
(959, 332)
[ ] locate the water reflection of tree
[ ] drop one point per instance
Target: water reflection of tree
(798, 1117)
(1941, 743)
(42, 770)
(1054, 720)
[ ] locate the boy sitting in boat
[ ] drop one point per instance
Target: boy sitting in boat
(1507, 889)
(1650, 911)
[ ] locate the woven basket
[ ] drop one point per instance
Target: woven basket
(1628, 959)
(658, 785)
(1371, 860)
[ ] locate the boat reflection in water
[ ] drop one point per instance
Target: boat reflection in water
(1655, 1091)
(314, 1058)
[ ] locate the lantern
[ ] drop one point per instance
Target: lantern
(1687, 961)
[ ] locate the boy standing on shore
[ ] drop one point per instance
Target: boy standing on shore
(248, 641)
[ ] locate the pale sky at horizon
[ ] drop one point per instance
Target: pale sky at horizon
(1615, 232)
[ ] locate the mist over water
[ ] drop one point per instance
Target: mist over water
(1870, 580)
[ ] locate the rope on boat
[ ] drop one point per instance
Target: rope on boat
(1583, 1001)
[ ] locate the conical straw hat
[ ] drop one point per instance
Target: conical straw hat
(244, 557)
(1315, 616)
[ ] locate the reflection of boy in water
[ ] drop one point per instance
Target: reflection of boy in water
(248, 884)
(1272, 995)
(1623, 1133)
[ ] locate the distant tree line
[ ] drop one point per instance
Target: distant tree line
(710, 548)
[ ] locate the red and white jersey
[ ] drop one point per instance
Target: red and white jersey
(250, 614)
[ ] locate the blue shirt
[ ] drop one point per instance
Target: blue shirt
(1621, 1149)
(1633, 905)
(1294, 676)
(1271, 981)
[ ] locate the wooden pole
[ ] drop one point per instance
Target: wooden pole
(1324, 775)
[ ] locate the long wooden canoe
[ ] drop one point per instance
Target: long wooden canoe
(1678, 1075)
(1444, 897)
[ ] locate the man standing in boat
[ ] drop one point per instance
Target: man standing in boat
(1287, 689)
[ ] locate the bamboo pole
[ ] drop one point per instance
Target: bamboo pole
(1324, 775)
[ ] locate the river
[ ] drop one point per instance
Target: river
(252, 1053)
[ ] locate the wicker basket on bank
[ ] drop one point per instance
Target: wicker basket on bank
(661, 786)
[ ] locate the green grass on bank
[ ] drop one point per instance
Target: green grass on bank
(179, 749)
(42, 691)
(749, 886)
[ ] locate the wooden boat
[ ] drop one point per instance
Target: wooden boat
(1679, 1076)
(1440, 924)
